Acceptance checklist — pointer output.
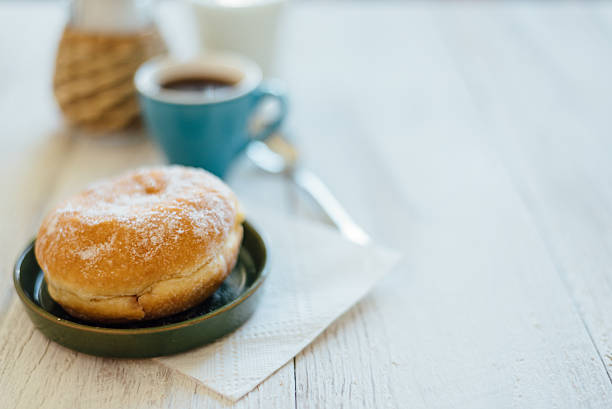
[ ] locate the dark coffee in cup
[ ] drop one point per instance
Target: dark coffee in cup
(199, 84)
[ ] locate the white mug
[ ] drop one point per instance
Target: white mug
(247, 27)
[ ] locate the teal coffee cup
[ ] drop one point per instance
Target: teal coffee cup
(201, 111)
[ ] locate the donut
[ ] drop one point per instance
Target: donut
(148, 244)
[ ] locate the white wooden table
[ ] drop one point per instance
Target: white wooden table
(474, 137)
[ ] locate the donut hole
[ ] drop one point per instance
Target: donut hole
(152, 183)
(152, 189)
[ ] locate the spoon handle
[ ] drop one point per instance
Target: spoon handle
(314, 186)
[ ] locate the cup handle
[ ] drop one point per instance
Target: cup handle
(275, 91)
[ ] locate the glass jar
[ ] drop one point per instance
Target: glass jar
(102, 46)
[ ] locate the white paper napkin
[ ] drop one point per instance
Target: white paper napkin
(315, 276)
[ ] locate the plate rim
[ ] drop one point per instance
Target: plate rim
(32, 306)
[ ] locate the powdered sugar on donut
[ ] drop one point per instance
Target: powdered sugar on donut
(149, 219)
(93, 252)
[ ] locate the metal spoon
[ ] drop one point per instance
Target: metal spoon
(278, 156)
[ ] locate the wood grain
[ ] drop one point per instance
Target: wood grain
(472, 137)
(32, 136)
(555, 143)
(477, 316)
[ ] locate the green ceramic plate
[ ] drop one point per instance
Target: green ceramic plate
(228, 308)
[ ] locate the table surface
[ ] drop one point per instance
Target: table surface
(472, 137)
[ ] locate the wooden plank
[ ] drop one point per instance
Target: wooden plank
(546, 98)
(477, 315)
(33, 139)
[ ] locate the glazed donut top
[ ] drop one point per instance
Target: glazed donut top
(121, 236)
